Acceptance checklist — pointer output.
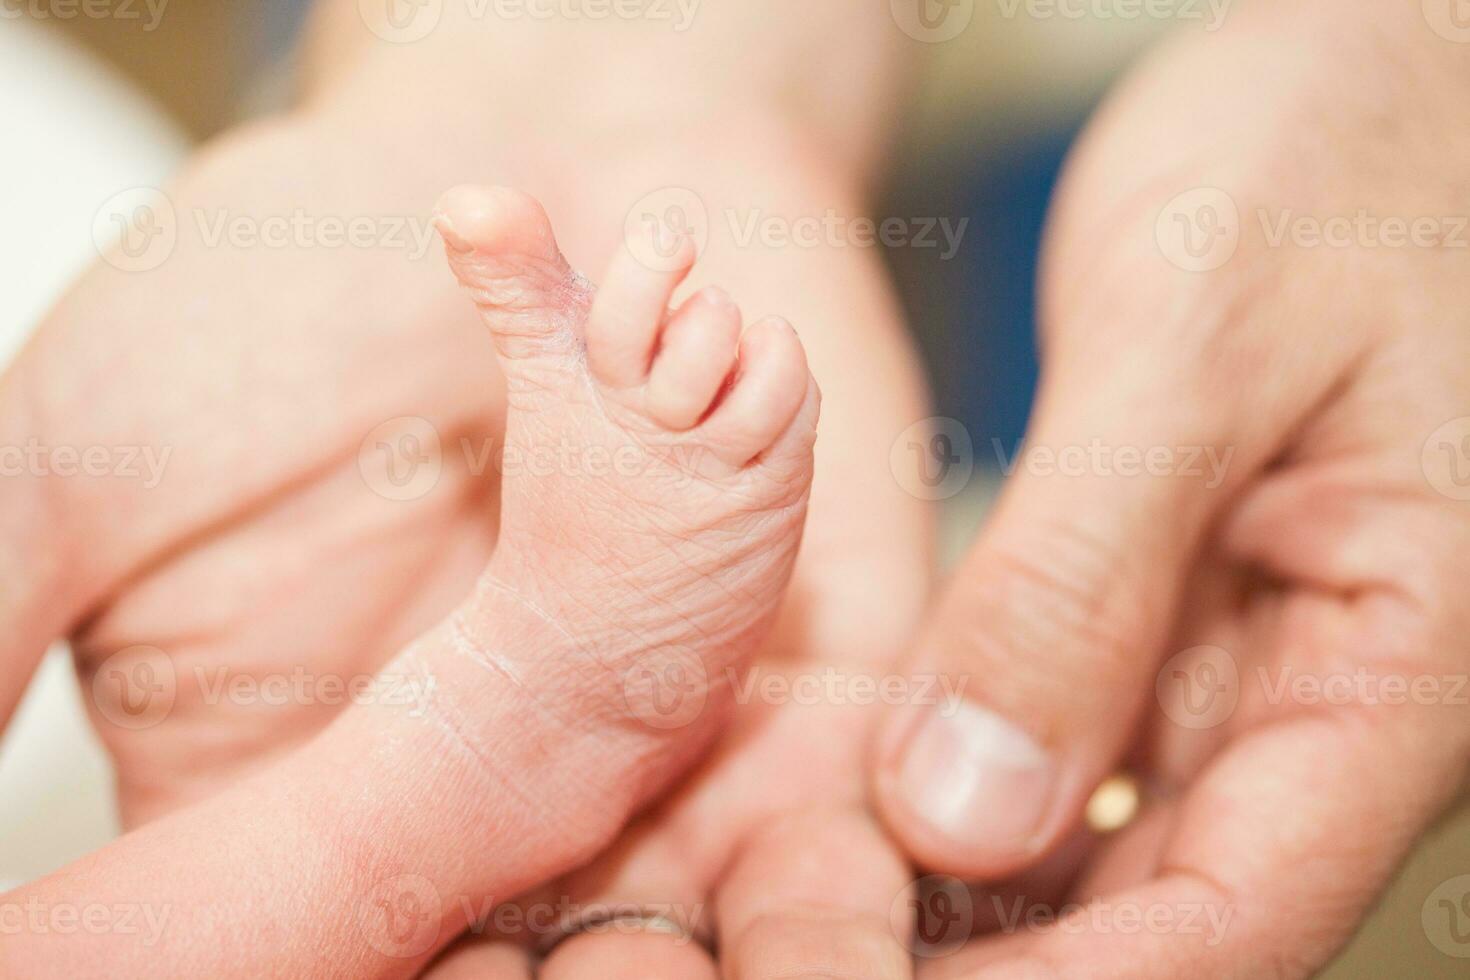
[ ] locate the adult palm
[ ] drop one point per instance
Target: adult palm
(272, 561)
(222, 616)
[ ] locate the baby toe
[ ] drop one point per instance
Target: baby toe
(630, 306)
(770, 387)
(695, 356)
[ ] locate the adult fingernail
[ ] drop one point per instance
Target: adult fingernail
(977, 779)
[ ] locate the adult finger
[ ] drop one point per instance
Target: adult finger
(476, 958)
(1276, 854)
(39, 599)
(622, 954)
(819, 893)
(1051, 625)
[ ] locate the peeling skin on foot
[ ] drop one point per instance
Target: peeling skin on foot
(575, 296)
(580, 288)
(459, 733)
(490, 584)
(462, 640)
(461, 643)
(566, 715)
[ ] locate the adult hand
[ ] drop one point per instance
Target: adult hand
(1248, 465)
(243, 563)
(279, 505)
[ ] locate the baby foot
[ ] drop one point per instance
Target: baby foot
(655, 479)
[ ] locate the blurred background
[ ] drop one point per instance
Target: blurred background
(95, 105)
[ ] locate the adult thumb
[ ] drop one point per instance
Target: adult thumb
(1043, 647)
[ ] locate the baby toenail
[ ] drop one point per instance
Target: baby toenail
(451, 237)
